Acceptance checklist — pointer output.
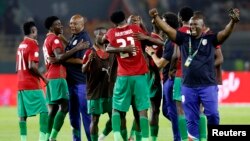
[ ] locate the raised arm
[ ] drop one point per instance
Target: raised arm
(225, 33)
(171, 32)
(86, 65)
(160, 62)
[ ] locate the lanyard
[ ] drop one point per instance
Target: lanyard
(190, 48)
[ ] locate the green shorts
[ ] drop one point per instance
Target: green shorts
(56, 89)
(31, 103)
(177, 89)
(99, 106)
(154, 88)
(128, 86)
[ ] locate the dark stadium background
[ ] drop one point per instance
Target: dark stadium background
(14, 12)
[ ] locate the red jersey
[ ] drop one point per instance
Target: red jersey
(28, 50)
(128, 63)
(50, 44)
(184, 29)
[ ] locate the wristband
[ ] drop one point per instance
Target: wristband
(152, 53)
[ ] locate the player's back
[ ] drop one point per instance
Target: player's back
(128, 63)
(27, 51)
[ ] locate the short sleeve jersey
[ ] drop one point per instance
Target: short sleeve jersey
(128, 63)
(74, 71)
(28, 50)
(201, 71)
(51, 43)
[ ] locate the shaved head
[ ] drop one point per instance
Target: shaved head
(77, 24)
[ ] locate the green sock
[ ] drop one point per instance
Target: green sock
(47, 136)
(154, 132)
(132, 131)
(23, 130)
(94, 137)
(138, 136)
(116, 126)
(43, 121)
(203, 127)
(124, 134)
(50, 125)
(108, 128)
(58, 122)
(144, 127)
(182, 124)
(42, 136)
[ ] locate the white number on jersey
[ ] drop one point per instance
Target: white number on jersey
(21, 64)
(130, 41)
(46, 55)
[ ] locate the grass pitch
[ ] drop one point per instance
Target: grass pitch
(9, 130)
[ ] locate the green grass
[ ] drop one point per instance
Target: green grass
(9, 130)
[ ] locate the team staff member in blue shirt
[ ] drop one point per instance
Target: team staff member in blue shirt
(77, 80)
(199, 82)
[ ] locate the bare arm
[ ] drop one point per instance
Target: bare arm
(74, 61)
(61, 57)
(33, 68)
(160, 62)
(171, 32)
(141, 36)
(127, 49)
(218, 57)
(174, 59)
(85, 67)
(225, 33)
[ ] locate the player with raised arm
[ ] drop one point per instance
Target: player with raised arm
(169, 107)
(199, 81)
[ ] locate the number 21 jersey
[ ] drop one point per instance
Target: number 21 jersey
(128, 63)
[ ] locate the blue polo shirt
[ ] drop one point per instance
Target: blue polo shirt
(167, 54)
(201, 71)
(74, 71)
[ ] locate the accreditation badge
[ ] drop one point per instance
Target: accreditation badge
(188, 61)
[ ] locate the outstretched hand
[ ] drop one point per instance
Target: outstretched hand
(149, 50)
(153, 12)
(234, 14)
(140, 36)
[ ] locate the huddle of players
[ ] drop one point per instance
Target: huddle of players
(112, 85)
